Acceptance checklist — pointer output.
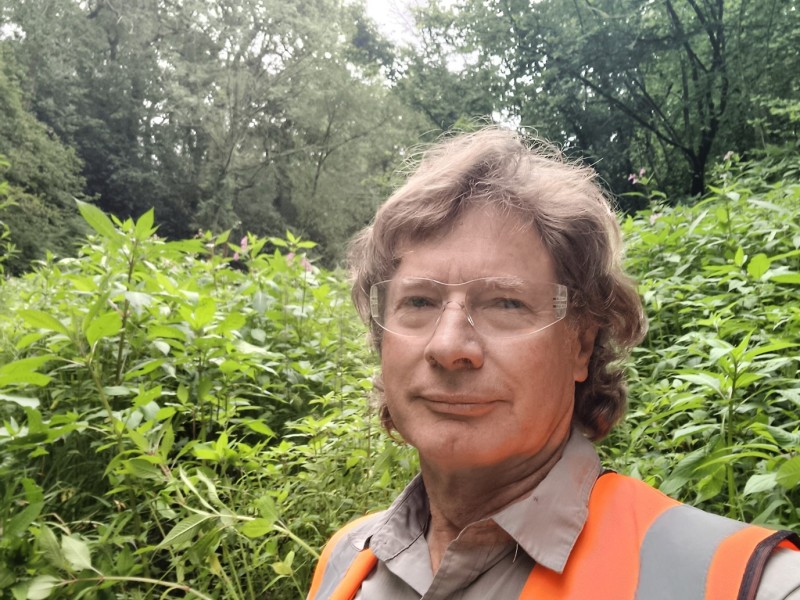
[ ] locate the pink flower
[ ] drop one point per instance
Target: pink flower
(728, 155)
(642, 171)
(290, 257)
(306, 263)
(235, 256)
(633, 178)
(243, 244)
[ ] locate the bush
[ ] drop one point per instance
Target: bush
(714, 392)
(175, 424)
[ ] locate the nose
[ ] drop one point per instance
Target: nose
(454, 344)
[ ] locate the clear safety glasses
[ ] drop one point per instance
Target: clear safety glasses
(497, 307)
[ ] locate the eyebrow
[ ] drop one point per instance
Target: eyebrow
(503, 282)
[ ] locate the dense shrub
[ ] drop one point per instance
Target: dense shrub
(173, 422)
(714, 390)
(191, 418)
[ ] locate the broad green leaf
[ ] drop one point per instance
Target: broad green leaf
(165, 413)
(204, 313)
(41, 587)
(144, 226)
(758, 265)
(260, 427)
(42, 320)
(7, 577)
(256, 528)
(119, 390)
(48, 545)
(788, 474)
(76, 552)
(211, 488)
(23, 377)
(185, 530)
(231, 322)
(138, 300)
(740, 257)
(786, 278)
(142, 469)
(692, 429)
(21, 400)
(284, 567)
(147, 396)
(143, 368)
(703, 379)
(106, 325)
(267, 508)
(25, 365)
(162, 347)
(759, 483)
(19, 523)
(98, 220)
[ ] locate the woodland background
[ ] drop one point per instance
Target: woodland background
(183, 384)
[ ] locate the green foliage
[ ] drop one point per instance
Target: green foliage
(181, 418)
(714, 389)
(190, 419)
(668, 86)
(7, 247)
(41, 177)
(253, 115)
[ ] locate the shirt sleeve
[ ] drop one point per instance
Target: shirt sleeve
(781, 578)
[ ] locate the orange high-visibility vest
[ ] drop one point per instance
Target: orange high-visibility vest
(636, 543)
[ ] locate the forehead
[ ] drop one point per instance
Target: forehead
(481, 243)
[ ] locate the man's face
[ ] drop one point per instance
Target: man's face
(467, 401)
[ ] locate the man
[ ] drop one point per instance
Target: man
(493, 286)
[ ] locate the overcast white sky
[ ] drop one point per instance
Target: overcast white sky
(392, 17)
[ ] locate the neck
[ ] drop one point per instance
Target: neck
(460, 498)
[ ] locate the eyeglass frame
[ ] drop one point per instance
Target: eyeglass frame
(560, 306)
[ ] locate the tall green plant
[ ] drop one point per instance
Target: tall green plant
(181, 418)
(714, 389)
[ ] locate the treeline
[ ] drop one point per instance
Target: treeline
(266, 115)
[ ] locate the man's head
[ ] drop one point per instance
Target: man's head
(496, 170)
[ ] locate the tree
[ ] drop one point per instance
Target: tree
(255, 115)
(41, 181)
(627, 82)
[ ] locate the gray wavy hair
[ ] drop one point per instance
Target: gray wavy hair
(562, 202)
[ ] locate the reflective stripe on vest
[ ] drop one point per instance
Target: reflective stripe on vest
(637, 543)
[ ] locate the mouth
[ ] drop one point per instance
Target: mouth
(456, 404)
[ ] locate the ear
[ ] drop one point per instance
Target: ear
(584, 346)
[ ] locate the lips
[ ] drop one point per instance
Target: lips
(457, 398)
(459, 404)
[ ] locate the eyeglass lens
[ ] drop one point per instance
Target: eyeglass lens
(495, 306)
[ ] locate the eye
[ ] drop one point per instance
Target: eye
(508, 303)
(418, 302)
(501, 304)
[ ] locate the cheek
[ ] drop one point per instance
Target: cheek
(398, 357)
(550, 363)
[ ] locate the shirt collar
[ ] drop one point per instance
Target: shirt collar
(545, 523)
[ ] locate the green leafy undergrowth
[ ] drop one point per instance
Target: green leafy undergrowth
(714, 394)
(191, 419)
(183, 419)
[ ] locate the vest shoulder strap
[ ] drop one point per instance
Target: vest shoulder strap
(639, 543)
(363, 562)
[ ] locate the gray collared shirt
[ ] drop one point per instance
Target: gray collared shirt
(541, 528)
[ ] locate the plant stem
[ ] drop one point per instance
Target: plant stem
(281, 528)
(125, 310)
(167, 584)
